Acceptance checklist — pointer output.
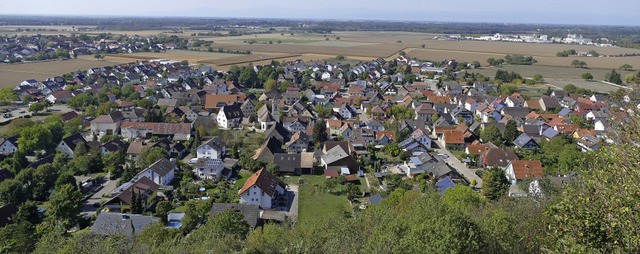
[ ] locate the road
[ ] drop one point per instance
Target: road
(293, 209)
(107, 187)
(462, 168)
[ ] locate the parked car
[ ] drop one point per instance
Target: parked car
(443, 156)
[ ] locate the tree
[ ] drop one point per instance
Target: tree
(162, 209)
(491, 134)
(248, 77)
(184, 62)
(12, 192)
(570, 88)
(270, 85)
(435, 117)
(613, 77)
(578, 64)
(150, 155)
(587, 76)
(340, 57)
(34, 138)
(65, 205)
(37, 107)
(462, 198)
(320, 131)
(626, 67)
(230, 222)
(7, 95)
(510, 132)
(538, 78)
(494, 183)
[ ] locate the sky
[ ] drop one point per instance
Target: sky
(588, 12)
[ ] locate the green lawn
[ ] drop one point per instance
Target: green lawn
(242, 178)
(314, 200)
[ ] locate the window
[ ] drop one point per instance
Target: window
(255, 193)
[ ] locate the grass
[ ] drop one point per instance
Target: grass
(241, 179)
(314, 200)
(275, 40)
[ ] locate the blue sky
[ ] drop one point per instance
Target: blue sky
(615, 12)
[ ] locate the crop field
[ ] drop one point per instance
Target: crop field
(178, 55)
(548, 71)
(12, 74)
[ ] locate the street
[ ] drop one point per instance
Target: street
(107, 187)
(462, 168)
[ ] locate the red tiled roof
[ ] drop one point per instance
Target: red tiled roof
(527, 169)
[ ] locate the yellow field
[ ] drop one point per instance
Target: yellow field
(12, 74)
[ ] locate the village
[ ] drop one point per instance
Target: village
(153, 141)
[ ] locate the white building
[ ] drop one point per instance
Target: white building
(9, 145)
(160, 172)
(212, 149)
(262, 188)
(210, 169)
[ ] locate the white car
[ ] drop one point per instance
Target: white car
(443, 156)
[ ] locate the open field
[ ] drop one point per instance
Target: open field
(529, 71)
(314, 199)
(12, 74)
(178, 55)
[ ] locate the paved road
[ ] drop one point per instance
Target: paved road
(293, 209)
(87, 205)
(461, 167)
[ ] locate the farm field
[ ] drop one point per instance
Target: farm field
(529, 71)
(12, 74)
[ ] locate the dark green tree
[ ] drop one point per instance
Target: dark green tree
(510, 132)
(491, 134)
(494, 183)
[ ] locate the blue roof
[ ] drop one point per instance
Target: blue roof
(375, 199)
(564, 112)
(444, 184)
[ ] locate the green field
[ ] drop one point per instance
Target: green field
(314, 199)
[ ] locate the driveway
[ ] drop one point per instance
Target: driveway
(107, 187)
(293, 207)
(462, 168)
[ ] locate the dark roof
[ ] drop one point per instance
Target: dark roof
(279, 132)
(73, 140)
(45, 160)
(251, 212)
(232, 111)
(121, 223)
(287, 163)
(499, 157)
(69, 115)
(114, 145)
(522, 140)
(162, 166)
(215, 143)
(6, 214)
(267, 150)
(5, 174)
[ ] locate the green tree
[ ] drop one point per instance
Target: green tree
(270, 84)
(248, 77)
(65, 205)
(34, 138)
(570, 88)
(613, 77)
(162, 209)
(491, 134)
(510, 132)
(320, 131)
(463, 198)
(494, 183)
(340, 57)
(150, 155)
(587, 76)
(12, 192)
(230, 222)
(626, 67)
(578, 64)
(7, 95)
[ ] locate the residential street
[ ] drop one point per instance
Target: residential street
(461, 167)
(107, 187)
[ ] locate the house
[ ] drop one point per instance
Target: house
(108, 223)
(385, 137)
(289, 164)
(143, 187)
(214, 102)
(338, 158)
(548, 103)
(248, 108)
(497, 157)
(206, 168)
(453, 139)
(588, 143)
(431, 165)
(7, 213)
(266, 152)
(112, 146)
(298, 143)
(107, 124)
(347, 112)
(160, 172)
(250, 212)
(178, 131)
(262, 189)
(69, 144)
(524, 141)
(418, 141)
(211, 149)
(268, 115)
(9, 145)
(59, 96)
(443, 184)
(520, 170)
(230, 116)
